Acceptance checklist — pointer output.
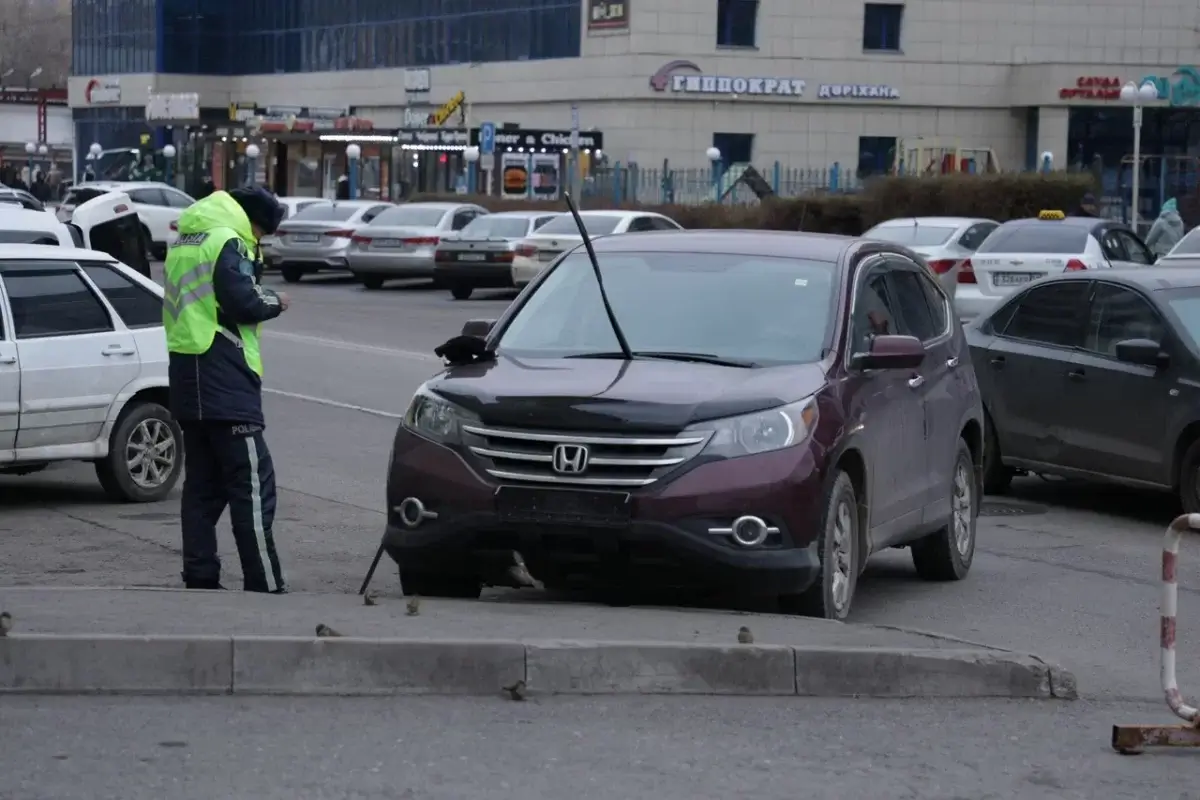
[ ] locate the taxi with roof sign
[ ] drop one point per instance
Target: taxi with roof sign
(1022, 250)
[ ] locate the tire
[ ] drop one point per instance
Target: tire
(434, 584)
(291, 274)
(832, 594)
(997, 478)
(946, 555)
(372, 282)
(1189, 479)
(461, 291)
(137, 422)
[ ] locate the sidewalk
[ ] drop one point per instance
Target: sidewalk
(78, 640)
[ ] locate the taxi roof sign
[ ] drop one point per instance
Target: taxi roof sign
(1051, 215)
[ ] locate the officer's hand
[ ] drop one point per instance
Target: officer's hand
(284, 300)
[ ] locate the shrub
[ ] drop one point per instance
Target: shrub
(999, 197)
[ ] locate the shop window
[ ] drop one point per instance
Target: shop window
(875, 155)
(736, 148)
(737, 23)
(881, 26)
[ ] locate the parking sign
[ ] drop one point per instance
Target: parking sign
(487, 138)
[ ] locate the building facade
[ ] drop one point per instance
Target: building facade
(808, 83)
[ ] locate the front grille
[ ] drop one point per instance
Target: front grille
(584, 459)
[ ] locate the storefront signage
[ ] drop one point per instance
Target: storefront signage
(416, 81)
(693, 81)
(608, 15)
(298, 119)
(1181, 88)
(103, 92)
(510, 139)
(857, 91)
(434, 138)
(439, 117)
(33, 97)
(1092, 87)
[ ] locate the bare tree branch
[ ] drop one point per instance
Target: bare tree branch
(35, 34)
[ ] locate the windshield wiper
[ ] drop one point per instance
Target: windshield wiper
(662, 355)
(622, 342)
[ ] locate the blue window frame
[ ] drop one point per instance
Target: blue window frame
(737, 23)
(113, 38)
(881, 26)
(736, 148)
(875, 155)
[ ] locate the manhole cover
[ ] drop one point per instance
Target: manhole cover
(994, 509)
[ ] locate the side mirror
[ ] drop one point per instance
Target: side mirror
(891, 352)
(479, 328)
(1146, 352)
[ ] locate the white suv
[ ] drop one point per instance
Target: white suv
(158, 205)
(83, 370)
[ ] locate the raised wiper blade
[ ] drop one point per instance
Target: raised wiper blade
(693, 358)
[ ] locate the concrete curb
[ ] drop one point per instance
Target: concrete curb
(267, 665)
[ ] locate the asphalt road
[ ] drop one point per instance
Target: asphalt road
(591, 749)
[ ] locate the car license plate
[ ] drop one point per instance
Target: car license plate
(519, 504)
(472, 257)
(386, 242)
(305, 238)
(544, 256)
(1014, 278)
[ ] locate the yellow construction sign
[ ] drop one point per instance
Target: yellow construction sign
(439, 117)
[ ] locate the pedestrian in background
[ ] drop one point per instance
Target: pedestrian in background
(212, 308)
(1087, 207)
(1167, 230)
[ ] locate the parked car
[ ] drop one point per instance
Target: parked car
(1095, 376)
(107, 223)
(401, 241)
(83, 370)
(318, 238)
(769, 452)
(1185, 253)
(158, 206)
(536, 251)
(21, 199)
(481, 255)
(1023, 250)
(291, 205)
(944, 242)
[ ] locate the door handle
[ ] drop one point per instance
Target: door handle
(118, 350)
(997, 361)
(8, 359)
(1077, 375)
(916, 381)
(952, 362)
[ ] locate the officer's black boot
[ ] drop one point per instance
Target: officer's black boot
(195, 584)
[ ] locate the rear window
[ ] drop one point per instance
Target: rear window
(596, 224)
(327, 213)
(1039, 237)
(1188, 246)
(28, 237)
(414, 216)
(77, 197)
(912, 235)
(497, 227)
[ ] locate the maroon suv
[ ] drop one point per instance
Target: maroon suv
(782, 406)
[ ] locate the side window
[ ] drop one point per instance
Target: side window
(177, 199)
(976, 234)
(135, 305)
(53, 301)
(373, 212)
(663, 224)
(913, 304)
(539, 222)
(462, 219)
(1136, 251)
(640, 224)
(1118, 314)
(874, 310)
(1113, 246)
(939, 304)
(1048, 314)
(148, 197)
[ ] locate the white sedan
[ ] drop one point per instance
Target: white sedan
(535, 252)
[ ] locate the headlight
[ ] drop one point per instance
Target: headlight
(762, 431)
(434, 418)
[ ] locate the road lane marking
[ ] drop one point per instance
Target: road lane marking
(341, 344)
(325, 401)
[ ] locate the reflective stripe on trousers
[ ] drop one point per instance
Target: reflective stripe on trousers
(176, 300)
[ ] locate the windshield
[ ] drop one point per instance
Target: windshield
(28, 237)
(1185, 304)
(596, 225)
(750, 308)
(411, 216)
(911, 235)
(77, 197)
(496, 228)
(1039, 237)
(1188, 246)
(326, 213)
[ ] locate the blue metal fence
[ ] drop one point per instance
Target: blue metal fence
(633, 183)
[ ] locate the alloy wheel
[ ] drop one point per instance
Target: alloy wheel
(842, 555)
(962, 507)
(150, 453)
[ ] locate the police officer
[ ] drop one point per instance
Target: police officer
(212, 308)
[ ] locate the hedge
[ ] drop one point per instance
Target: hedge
(999, 197)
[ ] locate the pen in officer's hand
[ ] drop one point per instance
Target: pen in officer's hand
(284, 300)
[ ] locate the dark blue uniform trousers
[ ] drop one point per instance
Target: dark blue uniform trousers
(228, 465)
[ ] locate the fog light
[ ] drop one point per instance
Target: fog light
(413, 512)
(747, 531)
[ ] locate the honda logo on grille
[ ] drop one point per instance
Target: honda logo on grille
(570, 459)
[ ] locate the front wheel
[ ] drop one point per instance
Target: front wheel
(291, 274)
(372, 282)
(946, 555)
(460, 292)
(832, 593)
(145, 455)
(435, 584)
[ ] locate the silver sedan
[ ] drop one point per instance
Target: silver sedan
(317, 238)
(400, 242)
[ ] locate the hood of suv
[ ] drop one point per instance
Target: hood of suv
(615, 395)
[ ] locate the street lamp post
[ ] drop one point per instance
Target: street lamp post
(353, 153)
(44, 157)
(714, 158)
(471, 155)
(94, 153)
(168, 161)
(252, 152)
(1137, 96)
